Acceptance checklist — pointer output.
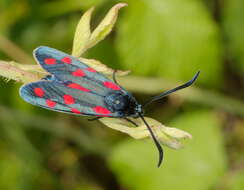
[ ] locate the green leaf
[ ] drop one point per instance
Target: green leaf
(234, 29)
(170, 38)
(198, 166)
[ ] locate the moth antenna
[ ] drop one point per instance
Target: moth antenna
(187, 84)
(160, 149)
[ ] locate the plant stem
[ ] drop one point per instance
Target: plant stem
(13, 51)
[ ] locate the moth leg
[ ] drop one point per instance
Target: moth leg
(94, 119)
(114, 77)
(132, 122)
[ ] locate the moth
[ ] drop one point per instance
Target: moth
(76, 88)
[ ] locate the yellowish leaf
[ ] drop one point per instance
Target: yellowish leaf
(97, 65)
(33, 68)
(11, 70)
(106, 25)
(177, 133)
(166, 135)
(82, 34)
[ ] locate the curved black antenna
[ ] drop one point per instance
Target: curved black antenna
(189, 83)
(160, 150)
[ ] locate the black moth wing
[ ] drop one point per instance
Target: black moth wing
(68, 68)
(59, 97)
(73, 87)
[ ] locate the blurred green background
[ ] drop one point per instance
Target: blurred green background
(158, 40)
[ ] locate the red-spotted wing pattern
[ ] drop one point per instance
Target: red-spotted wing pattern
(73, 87)
(68, 68)
(67, 98)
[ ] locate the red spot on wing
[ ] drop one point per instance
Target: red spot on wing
(91, 69)
(78, 87)
(50, 61)
(67, 60)
(101, 110)
(78, 73)
(68, 99)
(50, 103)
(111, 85)
(75, 111)
(39, 92)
